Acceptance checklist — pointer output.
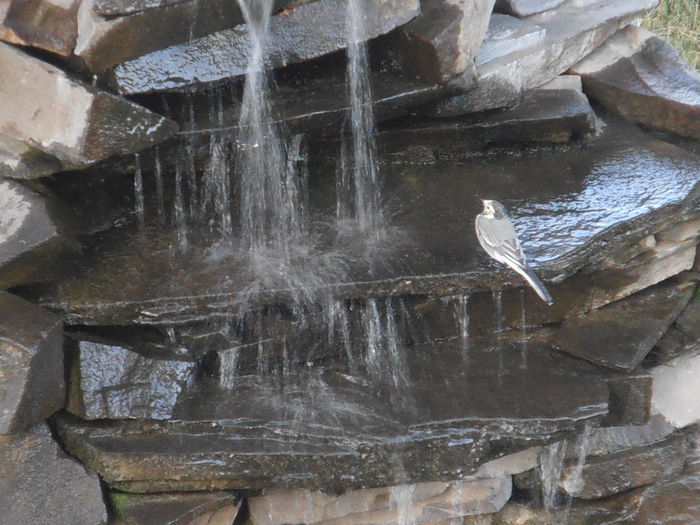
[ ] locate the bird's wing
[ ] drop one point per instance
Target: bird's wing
(500, 240)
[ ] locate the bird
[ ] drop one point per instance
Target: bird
(499, 239)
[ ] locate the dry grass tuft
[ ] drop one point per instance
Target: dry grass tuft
(678, 21)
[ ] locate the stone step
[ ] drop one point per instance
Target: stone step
(608, 227)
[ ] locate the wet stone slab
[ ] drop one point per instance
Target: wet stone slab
(603, 200)
(194, 508)
(638, 75)
(328, 429)
(572, 31)
(43, 24)
(297, 34)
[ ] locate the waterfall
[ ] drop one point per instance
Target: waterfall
(358, 182)
(268, 194)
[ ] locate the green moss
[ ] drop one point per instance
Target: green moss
(118, 502)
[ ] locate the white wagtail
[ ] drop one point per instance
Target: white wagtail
(498, 237)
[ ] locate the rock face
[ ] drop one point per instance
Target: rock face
(198, 508)
(684, 335)
(40, 484)
(621, 334)
(77, 124)
(442, 42)
(21, 161)
(31, 355)
(572, 32)
(639, 76)
(41, 23)
(507, 34)
(113, 382)
(297, 34)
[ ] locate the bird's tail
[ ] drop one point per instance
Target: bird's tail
(536, 284)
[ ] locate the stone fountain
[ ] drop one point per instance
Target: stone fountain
(240, 282)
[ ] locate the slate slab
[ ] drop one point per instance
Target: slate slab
(297, 34)
(52, 26)
(526, 7)
(640, 76)
(180, 508)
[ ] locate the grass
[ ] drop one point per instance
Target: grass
(678, 21)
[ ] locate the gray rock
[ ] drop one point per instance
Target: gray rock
(555, 112)
(621, 334)
(507, 34)
(526, 7)
(40, 484)
(684, 335)
(641, 77)
(107, 381)
(572, 32)
(610, 440)
(19, 160)
(43, 24)
(76, 123)
(630, 400)
(318, 429)
(442, 42)
(173, 509)
(610, 474)
(31, 355)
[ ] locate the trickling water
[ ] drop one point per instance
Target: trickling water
(228, 367)
(138, 192)
(214, 205)
(158, 173)
(268, 194)
(461, 313)
(361, 187)
(573, 481)
(523, 331)
(179, 210)
(498, 328)
(401, 497)
(551, 465)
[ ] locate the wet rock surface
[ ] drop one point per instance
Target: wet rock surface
(107, 381)
(77, 124)
(683, 337)
(40, 484)
(20, 161)
(507, 34)
(296, 34)
(621, 334)
(555, 112)
(572, 32)
(31, 375)
(646, 183)
(638, 75)
(334, 430)
(442, 42)
(199, 508)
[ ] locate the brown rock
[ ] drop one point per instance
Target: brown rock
(44, 24)
(19, 160)
(31, 364)
(75, 123)
(180, 508)
(638, 75)
(442, 42)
